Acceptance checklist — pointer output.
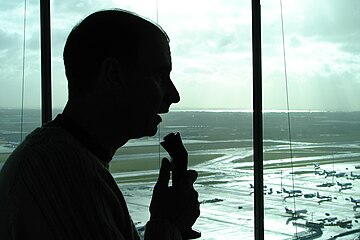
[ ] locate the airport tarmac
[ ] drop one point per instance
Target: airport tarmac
(227, 201)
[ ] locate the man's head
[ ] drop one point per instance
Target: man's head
(123, 62)
(108, 33)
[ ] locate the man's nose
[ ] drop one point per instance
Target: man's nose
(173, 94)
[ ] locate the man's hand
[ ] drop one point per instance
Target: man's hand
(179, 205)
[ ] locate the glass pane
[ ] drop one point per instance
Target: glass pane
(16, 123)
(314, 177)
(211, 49)
(211, 52)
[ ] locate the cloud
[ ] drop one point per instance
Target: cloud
(322, 54)
(9, 43)
(211, 50)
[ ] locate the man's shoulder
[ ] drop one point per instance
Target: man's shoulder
(50, 142)
(49, 137)
(41, 143)
(45, 149)
(49, 158)
(47, 173)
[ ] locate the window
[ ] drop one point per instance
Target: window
(314, 178)
(20, 69)
(211, 52)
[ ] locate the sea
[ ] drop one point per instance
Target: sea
(316, 153)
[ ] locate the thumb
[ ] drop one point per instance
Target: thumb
(164, 174)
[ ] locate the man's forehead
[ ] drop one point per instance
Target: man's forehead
(155, 50)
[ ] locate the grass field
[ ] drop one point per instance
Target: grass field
(303, 153)
(153, 163)
(198, 155)
(140, 164)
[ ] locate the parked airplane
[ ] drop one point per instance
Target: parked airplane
(344, 185)
(325, 200)
(309, 195)
(341, 174)
(265, 187)
(354, 175)
(356, 201)
(295, 213)
(322, 196)
(252, 186)
(325, 185)
(316, 166)
(319, 172)
(292, 192)
(11, 144)
(329, 173)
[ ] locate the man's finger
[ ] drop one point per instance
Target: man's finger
(192, 176)
(164, 174)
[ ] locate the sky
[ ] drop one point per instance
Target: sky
(210, 44)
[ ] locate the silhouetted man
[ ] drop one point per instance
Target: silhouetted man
(56, 184)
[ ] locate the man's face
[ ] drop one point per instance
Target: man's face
(152, 91)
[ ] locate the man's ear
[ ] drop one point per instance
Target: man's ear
(113, 72)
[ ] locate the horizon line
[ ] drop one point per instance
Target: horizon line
(213, 110)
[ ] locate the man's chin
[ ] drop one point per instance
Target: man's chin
(152, 128)
(152, 132)
(148, 132)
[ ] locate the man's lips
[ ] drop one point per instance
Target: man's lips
(158, 119)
